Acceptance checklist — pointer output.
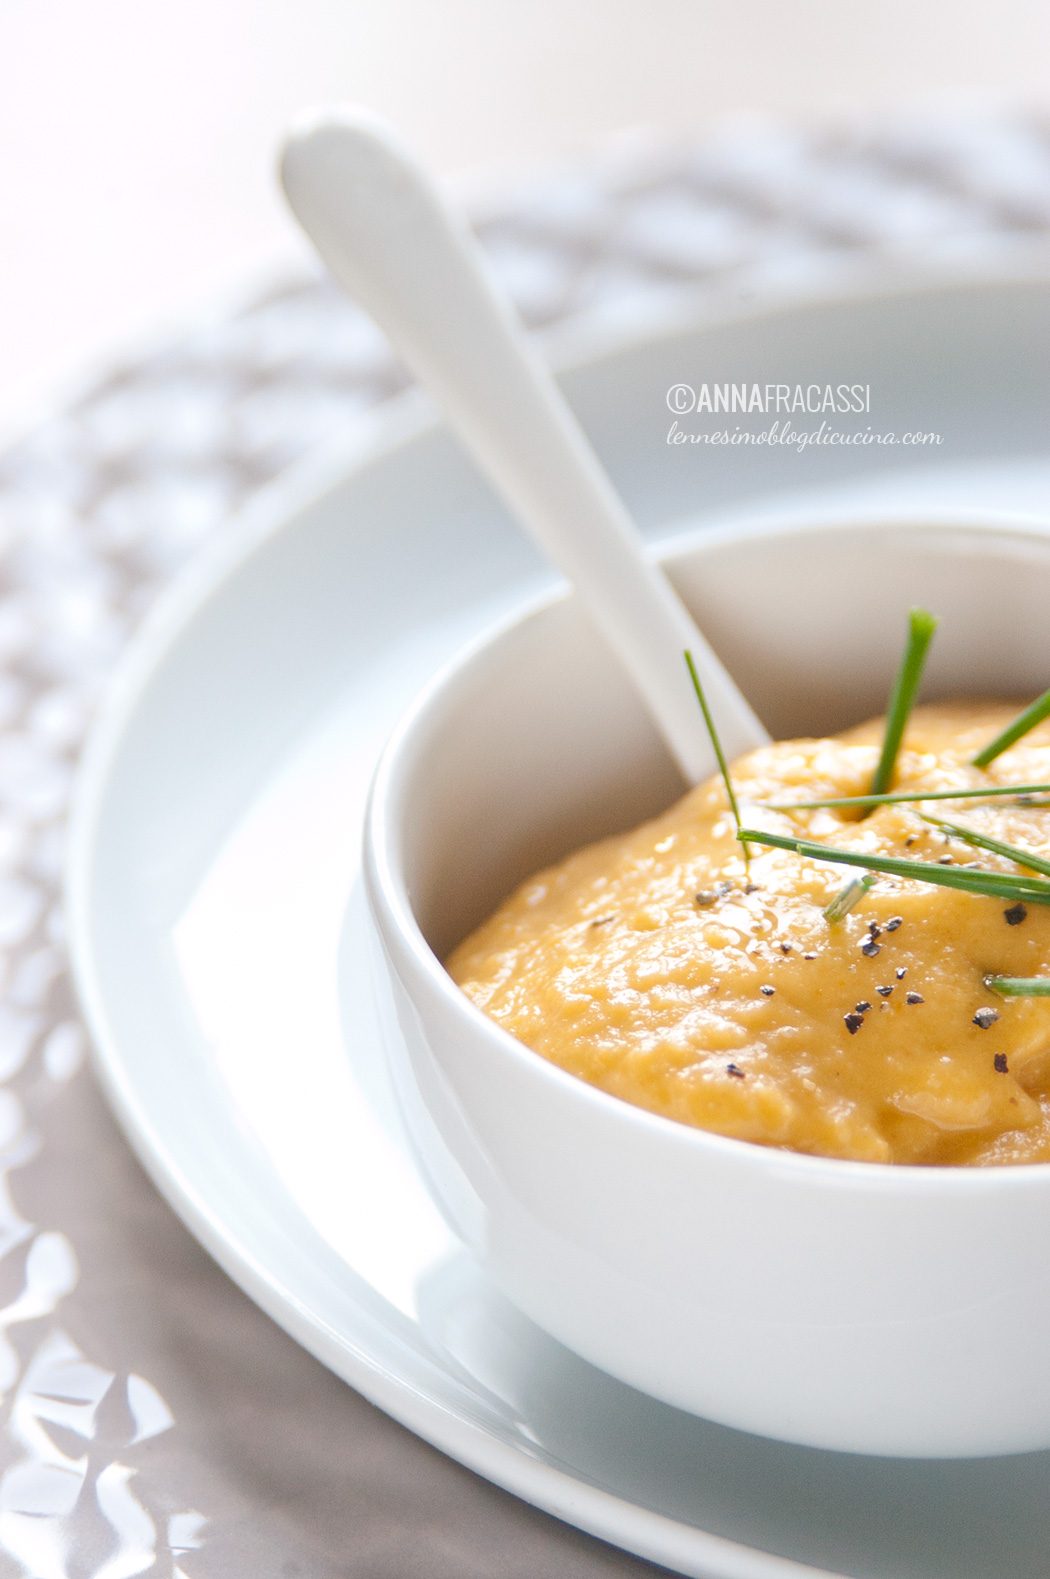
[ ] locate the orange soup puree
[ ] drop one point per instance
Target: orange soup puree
(659, 967)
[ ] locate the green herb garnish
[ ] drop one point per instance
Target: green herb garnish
(921, 626)
(1032, 715)
(716, 744)
(997, 885)
(901, 799)
(848, 896)
(1019, 986)
(982, 841)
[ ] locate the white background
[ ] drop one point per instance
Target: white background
(136, 138)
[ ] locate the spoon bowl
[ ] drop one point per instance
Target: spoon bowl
(843, 1305)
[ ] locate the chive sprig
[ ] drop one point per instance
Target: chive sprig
(1019, 986)
(921, 626)
(905, 798)
(1025, 721)
(716, 744)
(847, 897)
(996, 885)
(984, 841)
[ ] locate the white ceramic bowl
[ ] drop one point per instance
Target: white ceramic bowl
(890, 1310)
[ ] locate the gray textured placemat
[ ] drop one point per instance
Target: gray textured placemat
(152, 1420)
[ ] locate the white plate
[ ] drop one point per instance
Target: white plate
(222, 956)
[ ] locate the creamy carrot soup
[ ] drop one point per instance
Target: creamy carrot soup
(661, 968)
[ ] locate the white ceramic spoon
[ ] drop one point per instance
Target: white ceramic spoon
(387, 235)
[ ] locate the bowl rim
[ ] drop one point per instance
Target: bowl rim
(393, 913)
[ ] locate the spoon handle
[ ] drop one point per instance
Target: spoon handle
(387, 235)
